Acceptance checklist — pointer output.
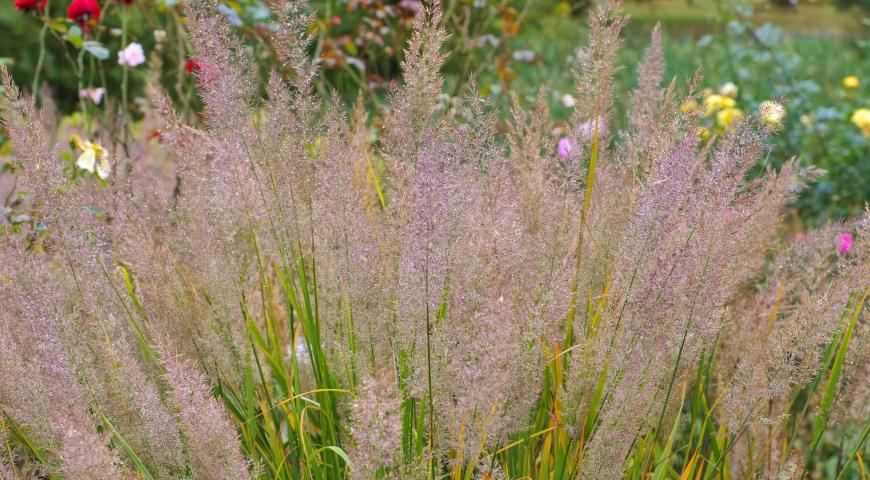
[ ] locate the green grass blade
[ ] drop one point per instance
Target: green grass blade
(137, 462)
(827, 402)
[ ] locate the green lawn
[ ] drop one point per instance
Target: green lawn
(699, 16)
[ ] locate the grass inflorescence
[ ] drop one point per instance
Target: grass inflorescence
(436, 296)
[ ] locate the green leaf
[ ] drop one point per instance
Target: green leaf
(96, 49)
(74, 36)
(137, 462)
(335, 449)
(60, 25)
(23, 438)
(827, 402)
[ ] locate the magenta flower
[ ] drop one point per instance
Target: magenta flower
(564, 147)
(844, 243)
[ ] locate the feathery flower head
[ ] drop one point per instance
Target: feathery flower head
(376, 424)
(131, 56)
(771, 113)
(586, 129)
(851, 82)
(689, 106)
(94, 158)
(212, 441)
(84, 451)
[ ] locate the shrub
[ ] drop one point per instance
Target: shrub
(304, 296)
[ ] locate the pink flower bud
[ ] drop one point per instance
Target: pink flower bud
(844, 243)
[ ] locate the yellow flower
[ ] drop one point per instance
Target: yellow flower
(715, 102)
(728, 116)
(704, 134)
(861, 118)
(771, 113)
(851, 82)
(94, 158)
(728, 90)
(806, 120)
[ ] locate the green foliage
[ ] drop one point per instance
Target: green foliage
(518, 48)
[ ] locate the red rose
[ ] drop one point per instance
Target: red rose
(28, 5)
(192, 66)
(83, 11)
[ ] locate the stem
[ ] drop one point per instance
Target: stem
(855, 451)
(429, 373)
(124, 73)
(34, 89)
(80, 73)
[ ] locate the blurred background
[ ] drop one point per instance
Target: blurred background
(812, 57)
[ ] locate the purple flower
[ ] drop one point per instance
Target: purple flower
(564, 148)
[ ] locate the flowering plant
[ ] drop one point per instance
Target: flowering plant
(816, 111)
(282, 290)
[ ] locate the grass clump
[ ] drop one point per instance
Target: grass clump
(305, 296)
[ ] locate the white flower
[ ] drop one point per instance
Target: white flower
(485, 40)
(356, 62)
(568, 101)
(526, 56)
(159, 35)
(94, 158)
(87, 160)
(131, 56)
(94, 94)
(103, 169)
(728, 90)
